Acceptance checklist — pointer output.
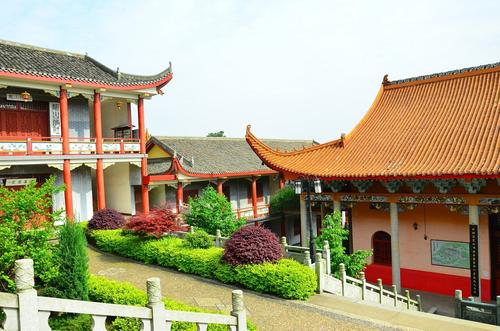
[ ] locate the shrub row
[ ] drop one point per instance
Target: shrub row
(285, 278)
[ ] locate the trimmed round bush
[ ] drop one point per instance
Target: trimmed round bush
(199, 239)
(106, 219)
(252, 245)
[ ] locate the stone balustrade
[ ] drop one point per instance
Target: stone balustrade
(26, 311)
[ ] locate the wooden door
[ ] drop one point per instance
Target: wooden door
(22, 122)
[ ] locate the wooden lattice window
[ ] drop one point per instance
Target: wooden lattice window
(382, 248)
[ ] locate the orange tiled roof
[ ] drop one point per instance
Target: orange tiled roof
(442, 125)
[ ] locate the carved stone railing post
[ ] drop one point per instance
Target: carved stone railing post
(326, 256)
(307, 258)
(363, 285)
(407, 295)
(498, 309)
(395, 293)
(154, 302)
(28, 302)
(238, 310)
(217, 239)
(283, 246)
(458, 303)
(419, 302)
(380, 290)
(343, 277)
(319, 272)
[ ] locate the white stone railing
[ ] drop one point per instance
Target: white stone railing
(25, 311)
(348, 286)
(54, 146)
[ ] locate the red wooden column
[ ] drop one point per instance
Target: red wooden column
(144, 162)
(219, 186)
(254, 196)
(101, 195)
(180, 196)
(68, 192)
(282, 183)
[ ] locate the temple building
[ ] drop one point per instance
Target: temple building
(67, 115)
(419, 179)
(179, 167)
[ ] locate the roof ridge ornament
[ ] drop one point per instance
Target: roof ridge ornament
(385, 80)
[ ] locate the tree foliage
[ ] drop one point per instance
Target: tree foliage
(106, 219)
(252, 245)
(73, 262)
(211, 211)
(216, 134)
(26, 225)
(158, 222)
(284, 199)
(334, 233)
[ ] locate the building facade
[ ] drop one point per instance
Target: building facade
(67, 115)
(180, 167)
(419, 179)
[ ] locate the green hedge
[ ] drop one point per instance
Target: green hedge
(110, 291)
(286, 278)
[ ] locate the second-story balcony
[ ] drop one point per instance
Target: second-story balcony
(54, 146)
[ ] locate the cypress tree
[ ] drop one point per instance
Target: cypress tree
(73, 269)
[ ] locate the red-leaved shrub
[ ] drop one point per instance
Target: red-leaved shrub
(252, 245)
(106, 219)
(156, 223)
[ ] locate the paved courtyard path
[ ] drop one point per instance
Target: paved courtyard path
(267, 312)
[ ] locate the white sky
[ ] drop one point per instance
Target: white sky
(293, 69)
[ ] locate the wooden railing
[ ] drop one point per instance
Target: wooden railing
(467, 309)
(345, 285)
(53, 145)
(25, 311)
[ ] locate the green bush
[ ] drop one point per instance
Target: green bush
(211, 211)
(199, 239)
(333, 232)
(71, 322)
(73, 262)
(284, 199)
(286, 278)
(26, 225)
(110, 291)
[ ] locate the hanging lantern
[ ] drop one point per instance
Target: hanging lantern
(119, 105)
(298, 187)
(317, 186)
(26, 96)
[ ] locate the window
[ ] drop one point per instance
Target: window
(382, 248)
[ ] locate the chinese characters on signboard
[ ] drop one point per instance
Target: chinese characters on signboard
(474, 260)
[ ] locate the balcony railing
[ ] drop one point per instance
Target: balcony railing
(262, 210)
(77, 146)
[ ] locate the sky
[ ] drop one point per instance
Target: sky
(293, 69)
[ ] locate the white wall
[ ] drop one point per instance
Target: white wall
(112, 117)
(119, 192)
(81, 181)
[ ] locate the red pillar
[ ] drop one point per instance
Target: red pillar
(180, 196)
(68, 192)
(254, 196)
(219, 186)
(282, 183)
(101, 195)
(144, 163)
(63, 106)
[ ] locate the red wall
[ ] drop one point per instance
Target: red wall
(427, 281)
